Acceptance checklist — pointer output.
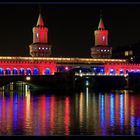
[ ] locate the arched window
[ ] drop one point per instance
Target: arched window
(15, 72)
(1, 71)
(8, 71)
(21, 71)
(47, 71)
(28, 71)
(36, 71)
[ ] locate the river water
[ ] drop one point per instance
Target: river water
(83, 113)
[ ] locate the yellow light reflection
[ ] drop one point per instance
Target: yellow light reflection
(126, 107)
(28, 122)
(81, 109)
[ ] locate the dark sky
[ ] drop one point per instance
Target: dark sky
(71, 27)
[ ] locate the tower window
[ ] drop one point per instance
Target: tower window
(103, 38)
(37, 35)
(126, 53)
(130, 52)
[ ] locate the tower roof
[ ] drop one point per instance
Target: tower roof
(101, 24)
(40, 21)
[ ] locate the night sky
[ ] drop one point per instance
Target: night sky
(71, 27)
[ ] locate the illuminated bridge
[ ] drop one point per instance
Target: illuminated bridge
(40, 62)
(50, 65)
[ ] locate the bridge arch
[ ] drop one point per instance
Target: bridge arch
(138, 70)
(8, 71)
(35, 71)
(15, 71)
(21, 71)
(121, 71)
(101, 71)
(1, 71)
(47, 71)
(28, 71)
(127, 71)
(112, 71)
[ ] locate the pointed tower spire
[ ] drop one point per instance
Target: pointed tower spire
(40, 21)
(101, 24)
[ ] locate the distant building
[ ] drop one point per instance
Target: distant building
(130, 52)
(101, 48)
(40, 46)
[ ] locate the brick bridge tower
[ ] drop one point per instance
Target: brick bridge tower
(40, 46)
(101, 49)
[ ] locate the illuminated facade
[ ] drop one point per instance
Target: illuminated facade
(25, 66)
(40, 46)
(121, 68)
(49, 65)
(101, 49)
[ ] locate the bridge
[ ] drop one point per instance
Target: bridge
(26, 66)
(49, 65)
(76, 77)
(116, 69)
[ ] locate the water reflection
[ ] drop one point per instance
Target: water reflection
(102, 113)
(86, 113)
(67, 114)
(112, 110)
(122, 111)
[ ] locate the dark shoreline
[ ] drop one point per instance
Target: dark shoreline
(71, 83)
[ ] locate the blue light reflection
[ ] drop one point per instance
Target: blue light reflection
(15, 104)
(102, 112)
(111, 110)
(121, 111)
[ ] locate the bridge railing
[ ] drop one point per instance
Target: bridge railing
(97, 74)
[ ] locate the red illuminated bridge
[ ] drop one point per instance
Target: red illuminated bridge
(50, 65)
